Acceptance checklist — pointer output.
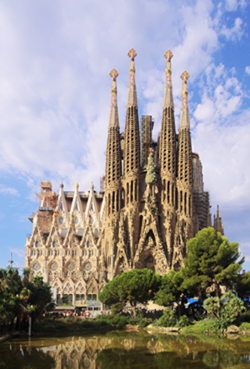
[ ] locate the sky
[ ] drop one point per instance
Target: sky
(55, 60)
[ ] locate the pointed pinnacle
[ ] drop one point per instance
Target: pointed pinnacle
(168, 94)
(184, 91)
(113, 117)
(132, 96)
(184, 118)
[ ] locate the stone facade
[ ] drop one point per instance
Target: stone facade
(152, 203)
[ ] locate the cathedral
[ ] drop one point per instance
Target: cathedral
(151, 202)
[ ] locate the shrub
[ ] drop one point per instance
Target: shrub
(245, 326)
(119, 320)
(143, 323)
(230, 309)
(202, 326)
(183, 321)
(167, 319)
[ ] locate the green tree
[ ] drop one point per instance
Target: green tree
(21, 297)
(137, 285)
(40, 298)
(242, 286)
(211, 262)
(227, 311)
(171, 290)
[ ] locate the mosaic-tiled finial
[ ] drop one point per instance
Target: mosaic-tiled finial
(132, 54)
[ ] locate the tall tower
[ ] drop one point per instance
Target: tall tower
(184, 193)
(112, 175)
(218, 224)
(113, 155)
(167, 158)
(131, 159)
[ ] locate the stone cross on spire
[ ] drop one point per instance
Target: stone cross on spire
(184, 118)
(168, 55)
(132, 96)
(113, 117)
(132, 54)
(114, 74)
(168, 94)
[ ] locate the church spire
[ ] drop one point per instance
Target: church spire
(185, 167)
(113, 117)
(113, 153)
(167, 149)
(184, 118)
(168, 93)
(132, 96)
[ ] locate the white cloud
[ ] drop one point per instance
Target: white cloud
(8, 190)
(235, 33)
(205, 110)
(247, 70)
(224, 152)
(20, 253)
(231, 5)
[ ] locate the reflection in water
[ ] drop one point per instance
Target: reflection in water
(126, 351)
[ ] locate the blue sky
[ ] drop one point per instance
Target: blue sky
(55, 59)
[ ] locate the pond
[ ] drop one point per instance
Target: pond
(124, 350)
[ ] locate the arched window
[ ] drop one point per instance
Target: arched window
(109, 204)
(113, 202)
(88, 243)
(168, 192)
(117, 200)
(37, 243)
(172, 200)
(131, 191)
(122, 198)
(54, 244)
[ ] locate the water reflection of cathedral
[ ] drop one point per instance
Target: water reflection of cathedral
(81, 353)
(151, 202)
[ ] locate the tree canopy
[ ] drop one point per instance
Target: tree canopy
(21, 297)
(137, 285)
(212, 262)
(242, 286)
(171, 289)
